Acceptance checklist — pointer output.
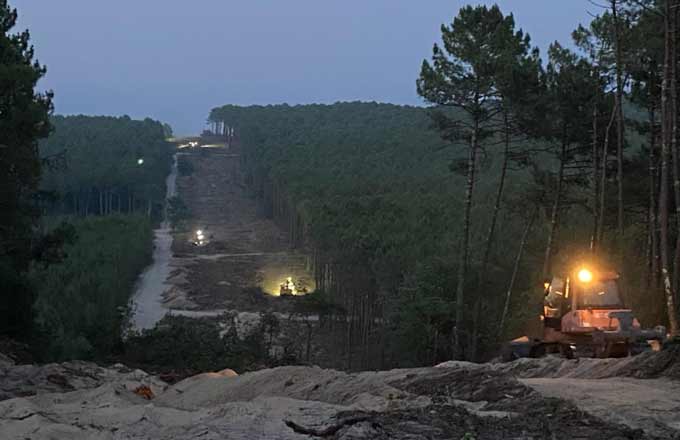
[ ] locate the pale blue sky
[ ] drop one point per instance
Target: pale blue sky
(174, 60)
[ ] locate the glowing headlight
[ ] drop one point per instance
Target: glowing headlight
(585, 276)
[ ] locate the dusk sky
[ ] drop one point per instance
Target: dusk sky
(174, 60)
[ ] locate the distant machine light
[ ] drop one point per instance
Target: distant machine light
(585, 276)
(140, 161)
(199, 232)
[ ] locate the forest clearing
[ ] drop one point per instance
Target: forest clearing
(244, 258)
(329, 242)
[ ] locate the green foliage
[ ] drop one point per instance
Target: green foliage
(195, 345)
(317, 302)
(24, 118)
(82, 299)
(111, 164)
(481, 71)
(422, 315)
(167, 131)
(372, 185)
(479, 47)
(83, 272)
(362, 171)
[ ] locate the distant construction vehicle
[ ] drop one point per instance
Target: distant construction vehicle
(290, 288)
(584, 316)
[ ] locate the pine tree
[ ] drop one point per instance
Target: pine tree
(464, 76)
(24, 118)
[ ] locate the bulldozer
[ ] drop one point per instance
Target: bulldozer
(292, 288)
(584, 316)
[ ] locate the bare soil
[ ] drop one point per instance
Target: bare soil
(247, 256)
(641, 392)
(461, 401)
(652, 405)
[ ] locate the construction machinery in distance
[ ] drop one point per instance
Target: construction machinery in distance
(291, 288)
(584, 316)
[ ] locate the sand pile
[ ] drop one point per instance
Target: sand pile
(294, 403)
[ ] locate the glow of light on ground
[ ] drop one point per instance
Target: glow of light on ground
(273, 278)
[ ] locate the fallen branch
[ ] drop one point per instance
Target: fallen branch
(328, 431)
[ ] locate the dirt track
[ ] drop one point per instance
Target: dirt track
(652, 404)
(246, 253)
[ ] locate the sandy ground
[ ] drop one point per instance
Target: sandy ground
(294, 402)
(245, 253)
(147, 307)
(652, 404)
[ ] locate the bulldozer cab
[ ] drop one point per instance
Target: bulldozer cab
(602, 293)
(582, 290)
(555, 303)
(583, 315)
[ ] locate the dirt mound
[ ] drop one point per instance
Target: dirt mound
(369, 391)
(17, 352)
(456, 422)
(651, 404)
(665, 363)
(648, 365)
(5, 362)
(29, 380)
(296, 402)
(497, 405)
(610, 389)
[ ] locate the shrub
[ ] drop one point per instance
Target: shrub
(189, 346)
(81, 300)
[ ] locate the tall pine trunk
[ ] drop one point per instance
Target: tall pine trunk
(88, 198)
(603, 178)
(596, 184)
(554, 216)
(667, 123)
(490, 234)
(499, 195)
(515, 271)
(459, 329)
(619, 118)
(652, 226)
(674, 148)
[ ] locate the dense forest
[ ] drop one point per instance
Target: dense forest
(82, 282)
(99, 199)
(433, 227)
(24, 120)
(66, 275)
(105, 165)
(367, 190)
